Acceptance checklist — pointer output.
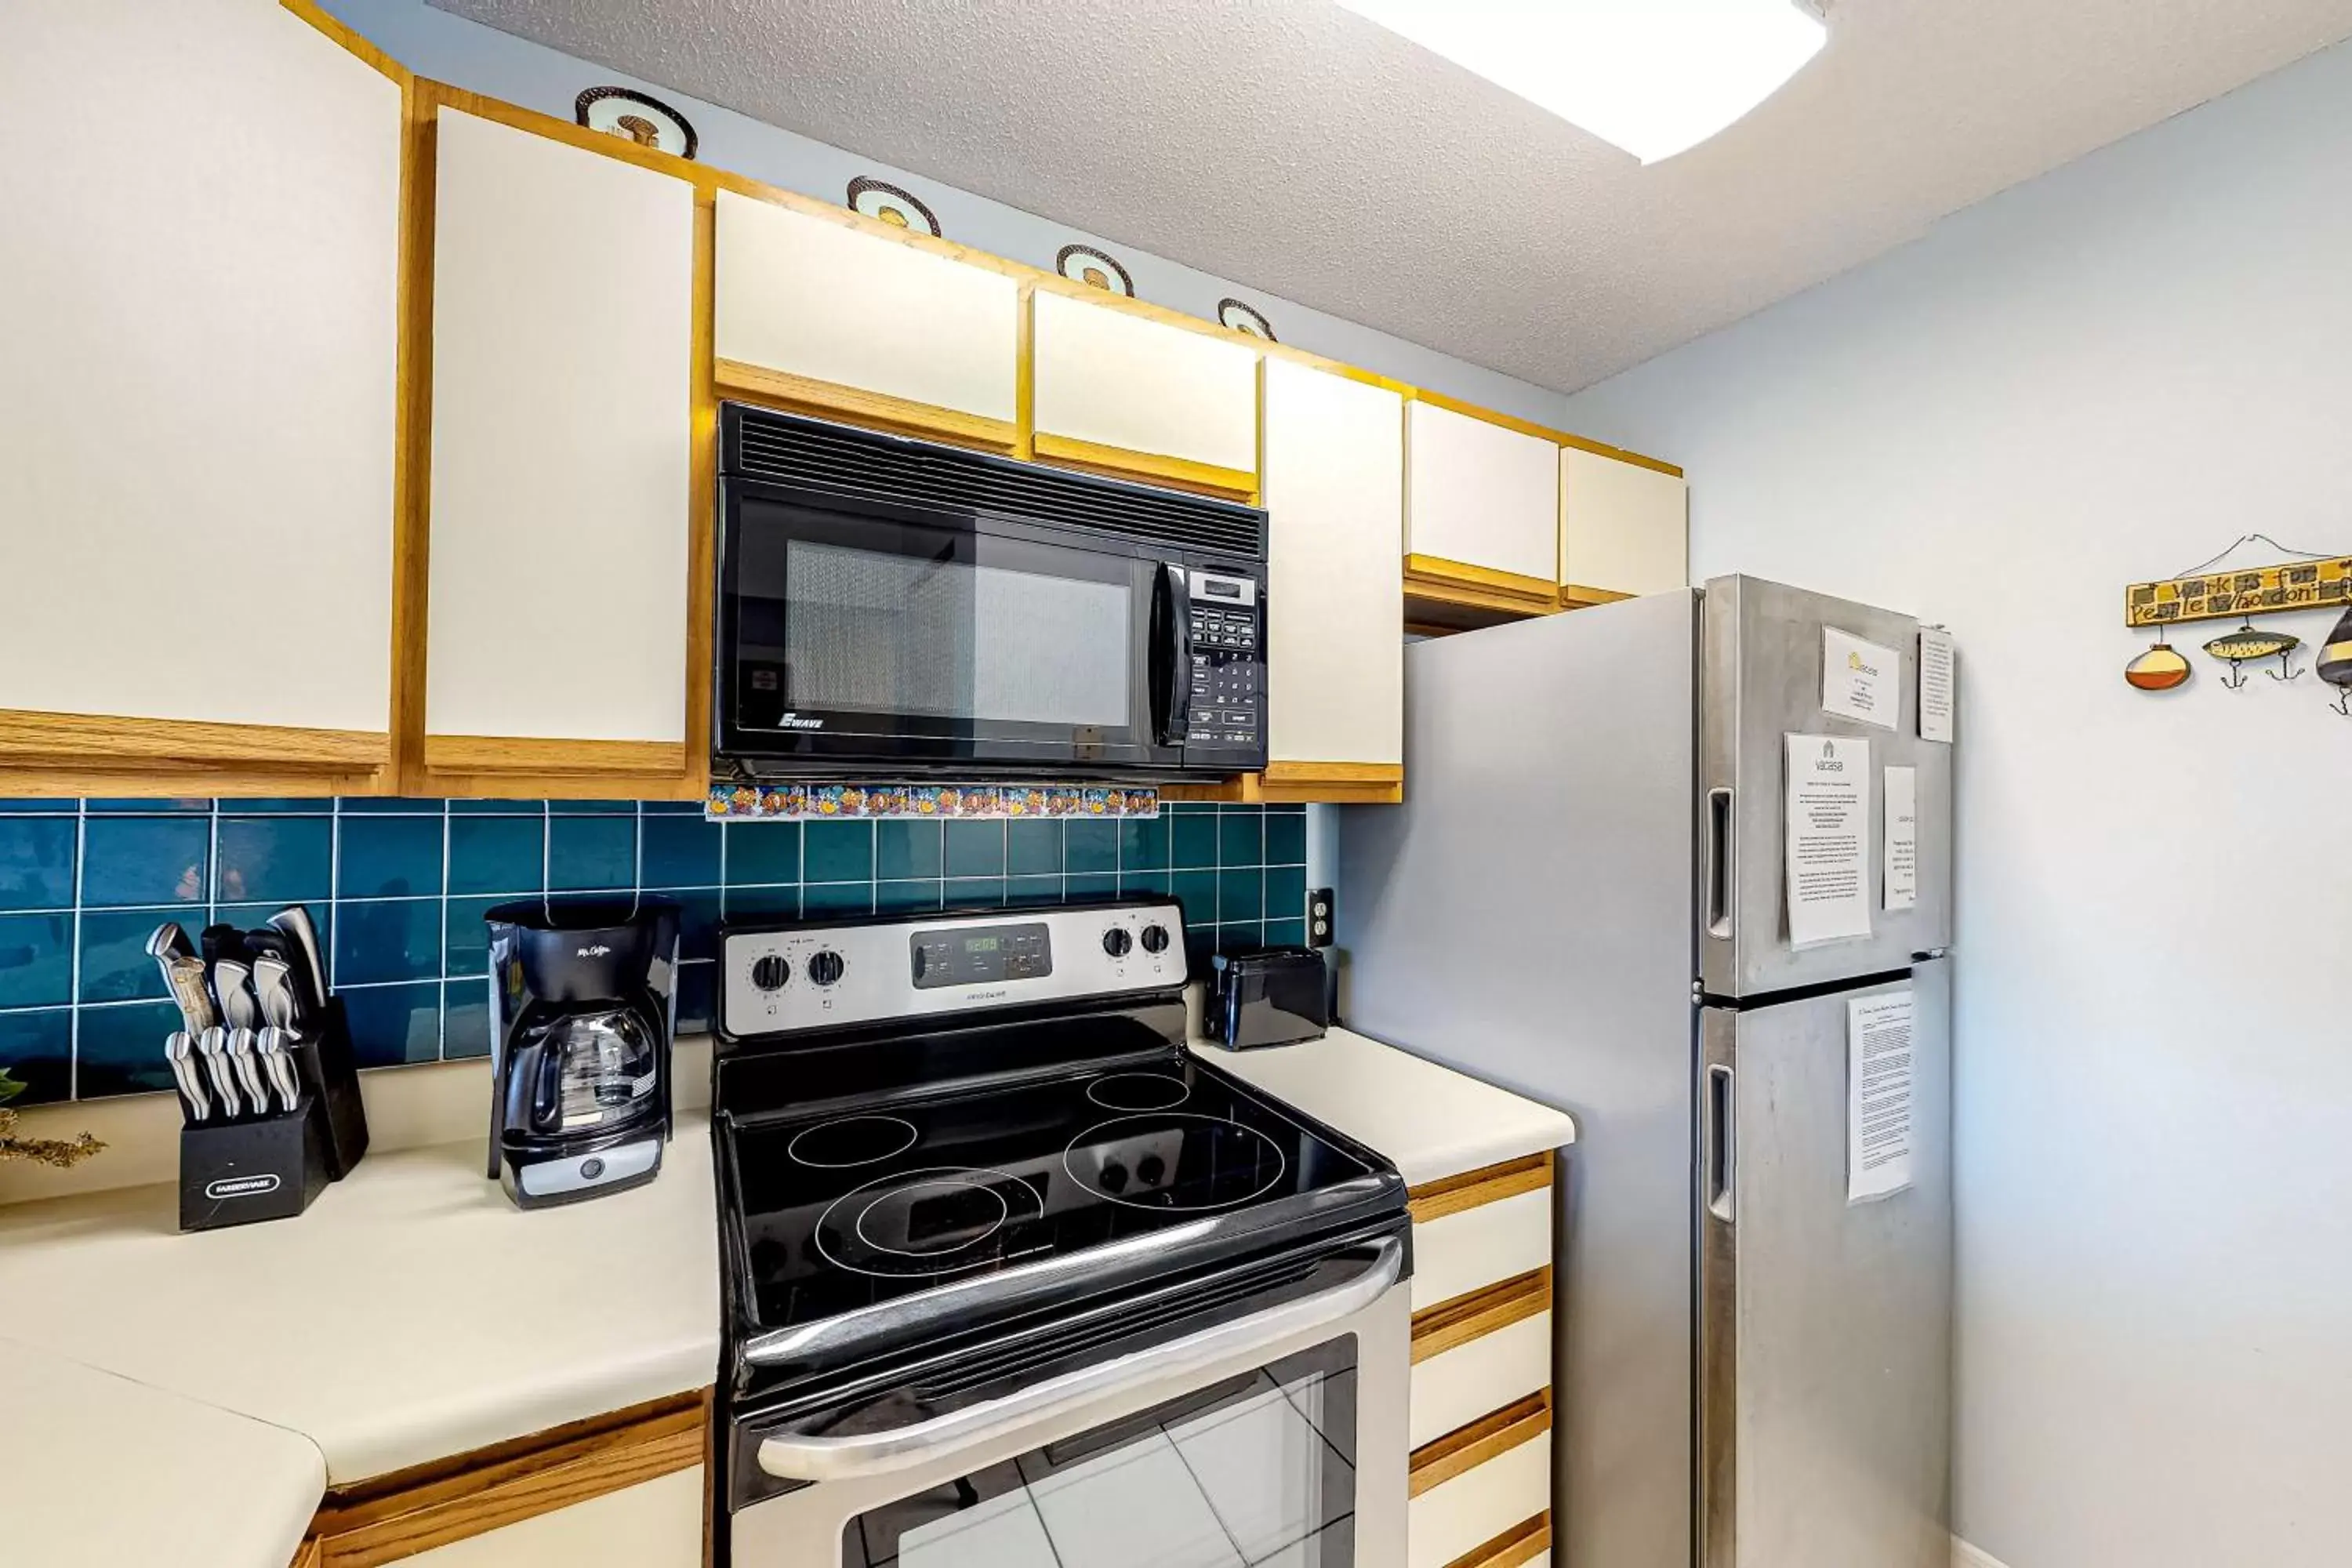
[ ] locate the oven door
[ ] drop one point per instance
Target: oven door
(1276, 1437)
(852, 637)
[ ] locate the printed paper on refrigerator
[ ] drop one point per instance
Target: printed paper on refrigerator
(1860, 681)
(1878, 1095)
(1936, 687)
(1901, 879)
(1826, 839)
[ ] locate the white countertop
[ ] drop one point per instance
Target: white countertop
(103, 1472)
(411, 1314)
(1431, 1121)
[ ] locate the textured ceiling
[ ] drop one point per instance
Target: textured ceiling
(1292, 147)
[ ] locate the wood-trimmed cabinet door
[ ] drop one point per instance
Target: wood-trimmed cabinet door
(1624, 529)
(654, 1524)
(1334, 493)
(1482, 508)
(560, 512)
(814, 312)
(199, 317)
(1118, 393)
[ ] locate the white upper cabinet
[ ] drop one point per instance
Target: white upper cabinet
(199, 323)
(563, 341)
(1624, 529)
(1480, 494)
(1115, 384)
(813, 299)
(1334, 492)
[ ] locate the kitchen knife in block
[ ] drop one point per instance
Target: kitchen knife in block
(329, 1070)
(296, 923)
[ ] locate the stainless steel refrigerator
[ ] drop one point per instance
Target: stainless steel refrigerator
(1583, 898)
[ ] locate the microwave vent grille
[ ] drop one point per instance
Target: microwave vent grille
(813, 456)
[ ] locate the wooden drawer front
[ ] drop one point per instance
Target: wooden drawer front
(1458, 1386)
(1453, 1518)
(1112, 388)
(1475, 1248)
(562, 348)
(1624, 529)
(1480, 494)
(654, 1524)
(812, 312)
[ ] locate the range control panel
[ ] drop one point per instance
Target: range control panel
(978, 955)
(1228, 666)
(805, 976)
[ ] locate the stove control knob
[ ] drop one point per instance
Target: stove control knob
(825, 967)
(1114, 1177)
(1150, 1170)
(1155, 939)
(768, 972)
(1116, 941)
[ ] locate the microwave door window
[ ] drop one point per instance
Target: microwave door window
(967, 646)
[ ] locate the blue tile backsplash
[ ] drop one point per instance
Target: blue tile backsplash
(399, 889)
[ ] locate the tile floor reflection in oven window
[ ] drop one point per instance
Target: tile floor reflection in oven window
(1253, 1472)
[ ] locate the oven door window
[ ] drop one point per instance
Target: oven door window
(1257, 1470)
(986, 643)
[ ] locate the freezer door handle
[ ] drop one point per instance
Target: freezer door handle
(1721, 1140)
(1721, 845)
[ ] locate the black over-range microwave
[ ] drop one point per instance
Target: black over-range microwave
(890, 606)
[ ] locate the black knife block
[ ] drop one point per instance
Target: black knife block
(234, 1173)
(330, 1073)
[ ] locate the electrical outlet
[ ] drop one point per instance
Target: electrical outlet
(1318, 917)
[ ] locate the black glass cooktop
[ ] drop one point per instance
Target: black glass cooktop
(843, 1213)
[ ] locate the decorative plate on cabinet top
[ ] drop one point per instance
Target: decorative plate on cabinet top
(1247, 319)
(647, 121)
(901, 209)
(1085, 264)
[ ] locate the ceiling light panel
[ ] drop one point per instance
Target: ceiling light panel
(1652, 77)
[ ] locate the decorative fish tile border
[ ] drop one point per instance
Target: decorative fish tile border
(823, 803)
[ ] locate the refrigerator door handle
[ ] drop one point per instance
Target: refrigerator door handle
(1721, 1142)
(1722, 846)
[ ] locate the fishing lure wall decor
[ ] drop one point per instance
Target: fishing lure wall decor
(2249, 643)
(2212, 591)
(2335, 664)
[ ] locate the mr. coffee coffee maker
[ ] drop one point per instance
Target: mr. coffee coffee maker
(582, 1010)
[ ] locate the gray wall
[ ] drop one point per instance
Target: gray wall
(2105, 377)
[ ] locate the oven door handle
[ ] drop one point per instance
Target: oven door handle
(794, 1458)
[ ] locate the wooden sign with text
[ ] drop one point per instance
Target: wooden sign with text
(2209, 596)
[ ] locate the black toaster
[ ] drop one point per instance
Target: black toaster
(1274, 996)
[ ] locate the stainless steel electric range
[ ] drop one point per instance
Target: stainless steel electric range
(1013, 1281)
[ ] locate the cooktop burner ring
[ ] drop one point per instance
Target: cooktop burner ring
(988, 1228)
(1258, 1142)
(835, 1129)
(1151, 1092)
(860, 1201)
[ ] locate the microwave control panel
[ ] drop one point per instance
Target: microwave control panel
(1228, 663)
